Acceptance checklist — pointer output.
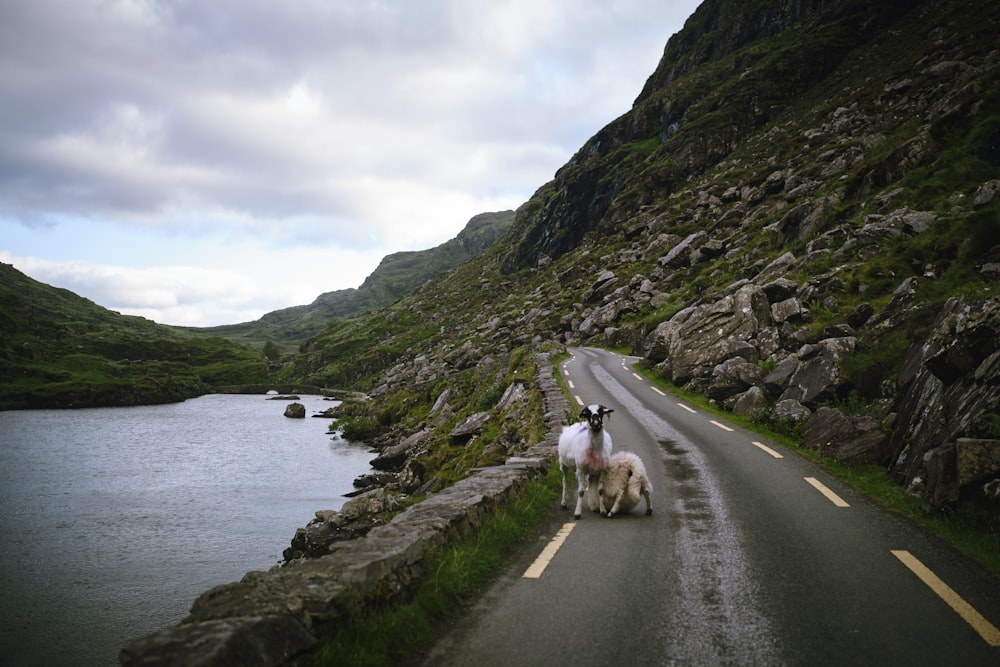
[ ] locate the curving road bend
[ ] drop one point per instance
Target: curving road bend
(753, 556)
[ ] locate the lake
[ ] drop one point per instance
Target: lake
(113, 520)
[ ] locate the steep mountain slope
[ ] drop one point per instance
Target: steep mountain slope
(397, 275)
(804, 197)
(60, 350)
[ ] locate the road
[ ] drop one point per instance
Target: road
(752, 556)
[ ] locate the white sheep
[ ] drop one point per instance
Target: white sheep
(586, 447)
(624, 482)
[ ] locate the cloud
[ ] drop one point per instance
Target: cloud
(193, 296)
(359, 127)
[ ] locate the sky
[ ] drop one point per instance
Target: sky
(204, 163)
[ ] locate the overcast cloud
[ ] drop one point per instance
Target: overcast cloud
(204, 163)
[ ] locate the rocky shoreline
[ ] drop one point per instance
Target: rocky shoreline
(279, 616)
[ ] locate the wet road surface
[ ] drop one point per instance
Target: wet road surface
(753, 556)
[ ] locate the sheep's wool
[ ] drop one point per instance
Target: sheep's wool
(595, 460)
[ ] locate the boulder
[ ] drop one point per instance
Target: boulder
(780, 289)
(513, 396)
(860, 315)
(733, 376)
(370, 503)
(768, 342)
(777, 380)
(473, 425)
(817, 377)
(977, 460)
(606, 281)
(698, 338)
(394, 458)
(985, 193)
(241, 640)
(790, 411)
(786, 310)
(464, 357)
(842, 437)
(442, 401)
(938, 484)
(776, 269)
(680, 255)
(295, 410)
(657, 247)
(752, 403)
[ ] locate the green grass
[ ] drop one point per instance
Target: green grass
(455, 576)
(967, 527)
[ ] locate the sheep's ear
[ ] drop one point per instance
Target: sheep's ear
(584, 412)
(606, 411)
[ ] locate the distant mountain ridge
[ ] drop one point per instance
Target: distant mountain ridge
(60, 350)
(396, 276)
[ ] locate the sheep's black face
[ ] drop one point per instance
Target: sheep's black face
(594, 414)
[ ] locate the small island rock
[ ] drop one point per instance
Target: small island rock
(295, 410)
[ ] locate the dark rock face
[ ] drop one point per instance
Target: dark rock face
(949, 387)
(844, 438)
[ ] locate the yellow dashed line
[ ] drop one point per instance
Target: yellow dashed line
(658, 391)
(831, 496)
(579, 400)
(691, 410)
(548, 553)
(720, 425)
(762, 446)
(986, 630)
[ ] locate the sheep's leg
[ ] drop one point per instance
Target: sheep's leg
(600, 490)
(563, 468)
(593, 500)
(618, 500)
(583, 483)
(649, 507)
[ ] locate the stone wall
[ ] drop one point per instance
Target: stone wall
(277, 617)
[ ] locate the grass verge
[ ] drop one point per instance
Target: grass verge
(455, 575)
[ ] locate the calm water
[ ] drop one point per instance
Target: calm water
(113, 520)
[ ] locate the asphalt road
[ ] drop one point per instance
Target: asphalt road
(753, 556)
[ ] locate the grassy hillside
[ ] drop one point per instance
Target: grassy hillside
(696, 154)
(825, 131)
(282, 331)
(58, 349)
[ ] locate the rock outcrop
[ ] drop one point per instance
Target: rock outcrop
(295, 410)
(949, 392)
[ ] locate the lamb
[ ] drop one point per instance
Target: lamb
(585, 446)
(624, 481)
